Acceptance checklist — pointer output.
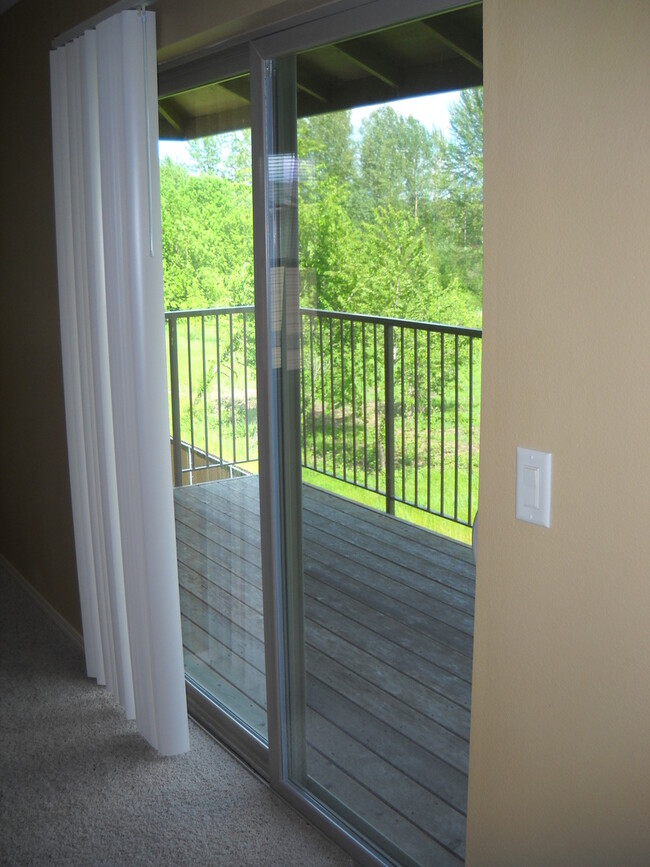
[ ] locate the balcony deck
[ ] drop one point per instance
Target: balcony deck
(388, 633)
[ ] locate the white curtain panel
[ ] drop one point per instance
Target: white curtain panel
(107, 199)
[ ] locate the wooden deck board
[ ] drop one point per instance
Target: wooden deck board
(388, 633)
(388, 627)
(400, 539)
(401, 794)
(354, 632)
(397, 578)
(417, 725)
(418, 845)
(384, 675)
(356, 581)
(382, 737)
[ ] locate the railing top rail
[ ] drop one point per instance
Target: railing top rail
(387, 320)
(337, 314)
(208, 311)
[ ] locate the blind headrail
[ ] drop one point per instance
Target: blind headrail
(94, 20)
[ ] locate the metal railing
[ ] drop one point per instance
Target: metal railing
(212, 388)
(387, 405)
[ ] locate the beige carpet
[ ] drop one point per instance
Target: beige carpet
(79, 786)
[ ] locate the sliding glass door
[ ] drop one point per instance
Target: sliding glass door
(324, 422)
(374, 612)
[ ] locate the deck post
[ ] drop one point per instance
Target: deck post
(389, 418)
(175, 399)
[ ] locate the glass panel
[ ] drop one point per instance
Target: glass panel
(209, 294)
(378, 418)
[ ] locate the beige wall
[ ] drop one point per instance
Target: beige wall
(560, 743)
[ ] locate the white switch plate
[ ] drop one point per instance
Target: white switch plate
(533, 496)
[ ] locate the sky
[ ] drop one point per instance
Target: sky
(431, 111)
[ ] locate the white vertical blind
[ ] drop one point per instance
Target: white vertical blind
(107, 199)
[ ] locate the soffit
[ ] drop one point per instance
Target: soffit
(433, 55)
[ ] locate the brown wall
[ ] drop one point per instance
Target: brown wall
(35, 513)
(560, 739)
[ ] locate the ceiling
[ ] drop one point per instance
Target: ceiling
(432, 55)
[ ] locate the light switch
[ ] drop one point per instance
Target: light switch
(531, 487)
(533, 494)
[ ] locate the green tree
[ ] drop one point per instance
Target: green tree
(459, 193)
(326, 247)
(393, 273)
(464, 155)
(239, 159)
(390, 219)
(326, 147)
(396, 162)
(227, 155)
(207, 154)
(207, 239)
(326, 152)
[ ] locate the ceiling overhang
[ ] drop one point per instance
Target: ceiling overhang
(432, 55)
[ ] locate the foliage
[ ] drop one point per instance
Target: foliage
(325, 141)
(207, 229)
(396, 155)
(390, 218)
(459, 210)
(390, 224)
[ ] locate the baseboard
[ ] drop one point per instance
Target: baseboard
(43, 604)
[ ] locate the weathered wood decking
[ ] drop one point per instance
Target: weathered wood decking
(388, 634)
